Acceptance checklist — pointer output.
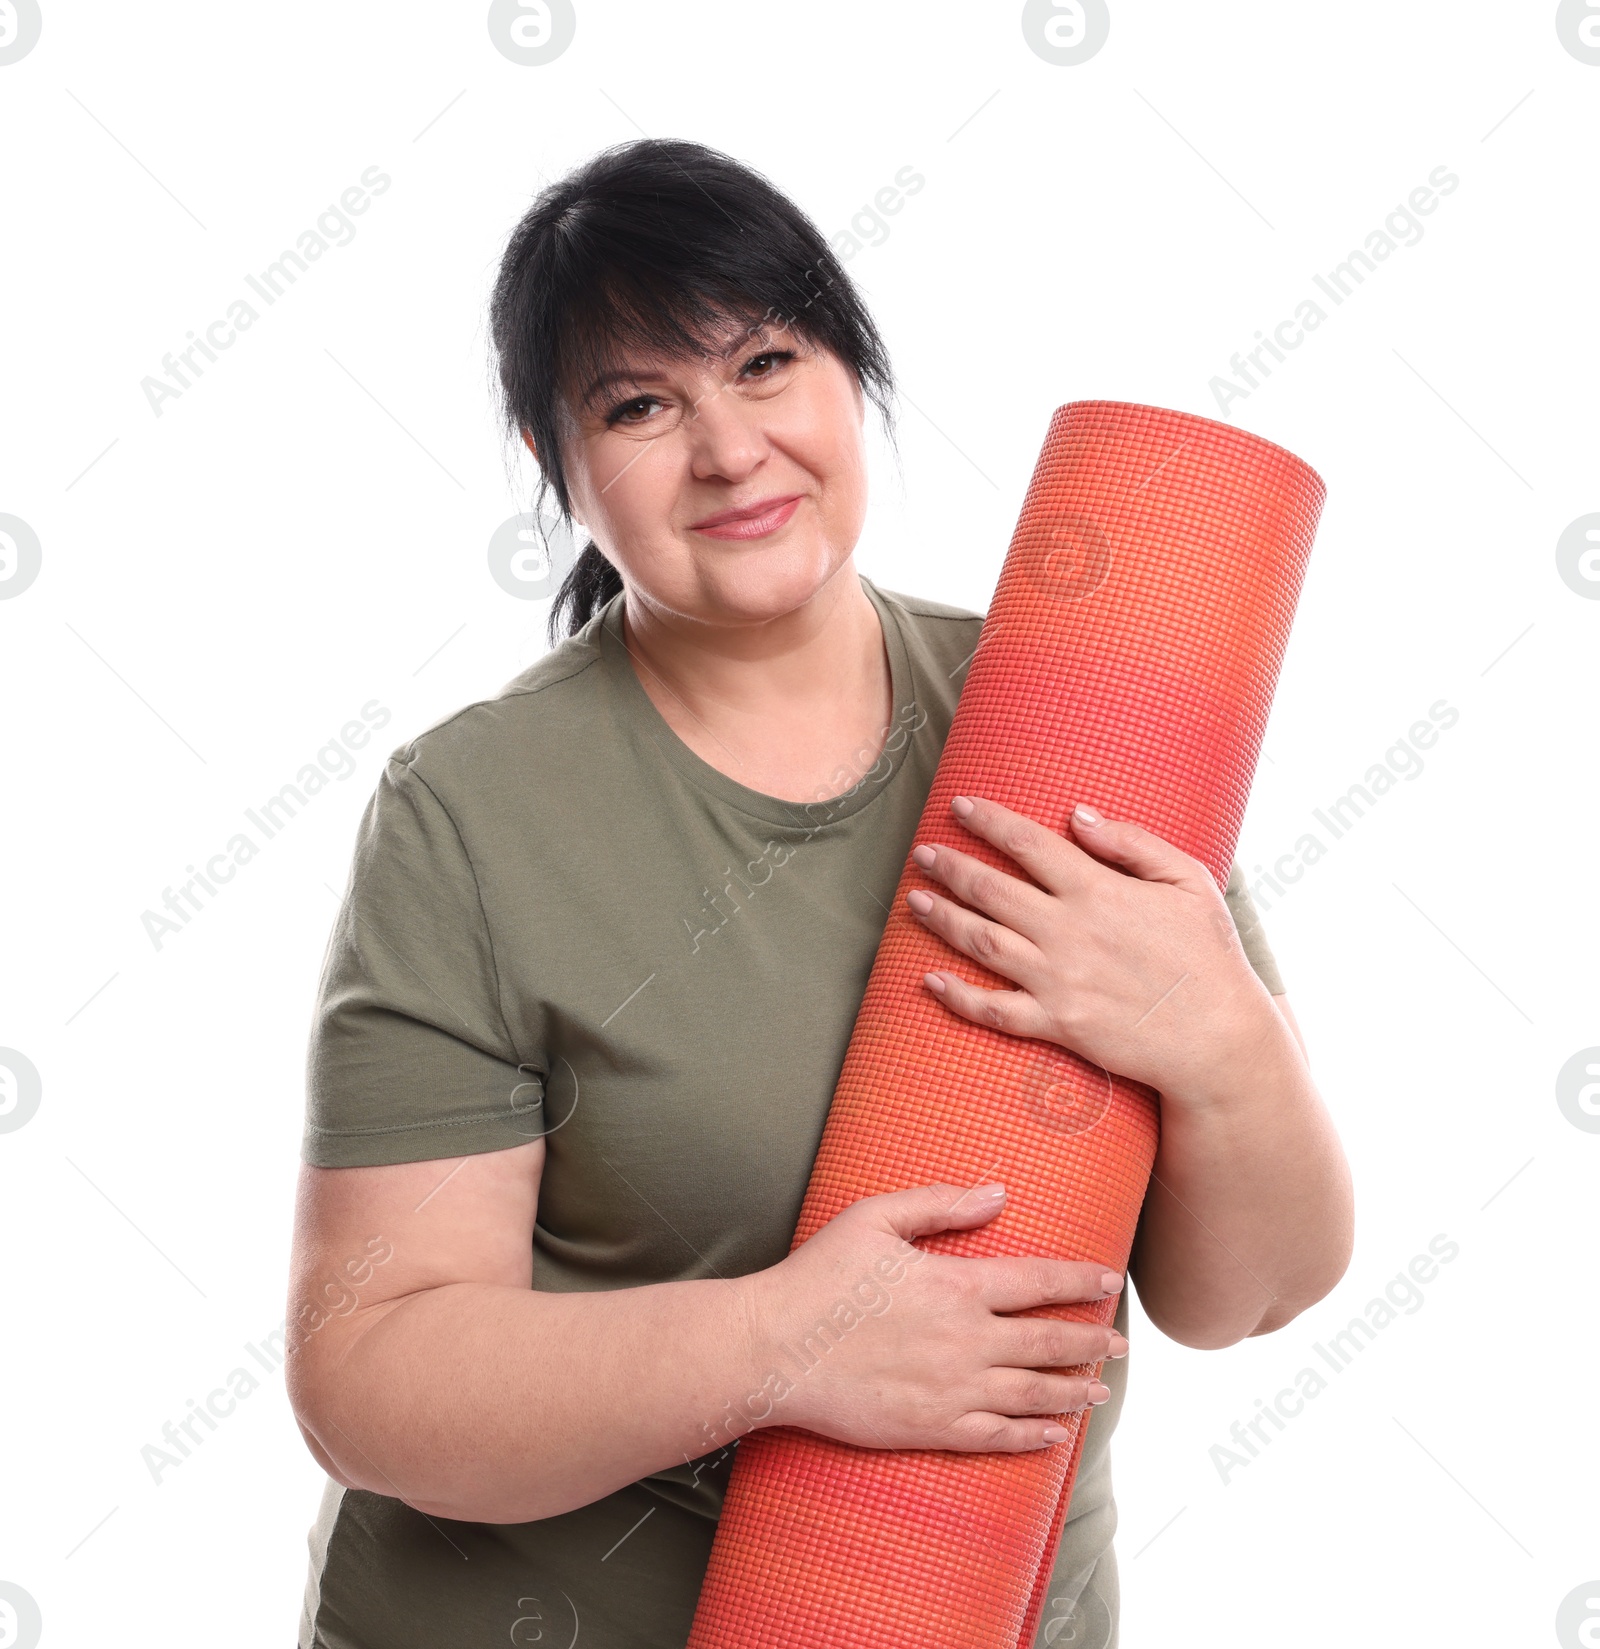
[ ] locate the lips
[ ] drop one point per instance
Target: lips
(754, 521)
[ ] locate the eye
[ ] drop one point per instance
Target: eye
(638, 403)
(780, 357)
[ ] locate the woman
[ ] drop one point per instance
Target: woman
(605, 935)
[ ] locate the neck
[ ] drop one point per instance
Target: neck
(782, 705)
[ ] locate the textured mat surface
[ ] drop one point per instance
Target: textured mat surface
(1129, 659)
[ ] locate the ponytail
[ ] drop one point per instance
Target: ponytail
(590, 583)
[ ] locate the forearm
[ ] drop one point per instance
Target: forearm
(1249, 1215)
(494, 1404)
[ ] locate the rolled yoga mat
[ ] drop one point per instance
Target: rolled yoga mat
(1128, 659)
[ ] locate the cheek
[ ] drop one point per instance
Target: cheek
(844, 508)
(629, 494)
(830, 447)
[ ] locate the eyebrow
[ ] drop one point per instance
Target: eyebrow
(606, 379)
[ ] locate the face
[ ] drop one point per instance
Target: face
(656, 455)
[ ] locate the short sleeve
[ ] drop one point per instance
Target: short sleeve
(409, 1057)
(1252, 935)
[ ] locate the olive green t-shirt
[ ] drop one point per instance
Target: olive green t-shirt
(561, 921)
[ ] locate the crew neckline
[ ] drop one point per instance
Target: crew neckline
(773, 809)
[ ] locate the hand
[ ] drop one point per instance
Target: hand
(882, 1344)
(1125, 951)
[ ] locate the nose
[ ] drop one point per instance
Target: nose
(726, 436)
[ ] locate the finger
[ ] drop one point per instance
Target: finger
(1055, 861)
(997, 893)
(1141, 852)
(1019, 1282)
(921, 1210)
(1016, 1012)
(1046, 1343)
(979, 1432)
(999, 948)
(1019, 1391)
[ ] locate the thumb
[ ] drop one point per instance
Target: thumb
(923, 1209)
(1131, 847)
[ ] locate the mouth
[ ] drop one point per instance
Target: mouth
(754, 521)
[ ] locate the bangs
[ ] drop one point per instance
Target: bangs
(632, 279)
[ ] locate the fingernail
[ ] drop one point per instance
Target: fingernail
(961, 806)
(924, 856)
(920, 902)
(1056, 1434)
(1118, 1347)
(1085, 814)
(1097, 1392)
(1110, 1283)
(993, 1192)
(934, 983)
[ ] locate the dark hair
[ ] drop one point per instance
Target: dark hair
(655, 244)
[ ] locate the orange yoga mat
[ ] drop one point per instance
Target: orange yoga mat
(1128, 659)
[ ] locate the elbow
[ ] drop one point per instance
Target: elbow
(310, 1410)
(315, 1402)
(321, 1402)
(320, 1381)
(1204, 1336)
(523, 1511)
(1323, 1269)
(467, 1499)
(1317, 1285)
(1214, 1333)
(1188, 1323)
(323, 1458)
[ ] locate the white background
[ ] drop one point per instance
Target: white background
(304, 530)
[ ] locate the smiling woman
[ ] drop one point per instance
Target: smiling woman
(588, 1138)
(769, 454)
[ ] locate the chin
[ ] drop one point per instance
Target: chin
(762, 581)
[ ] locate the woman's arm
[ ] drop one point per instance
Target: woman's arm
(1125, 952)
(1248, 1217)
(423, 1365)
(444, 1380)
